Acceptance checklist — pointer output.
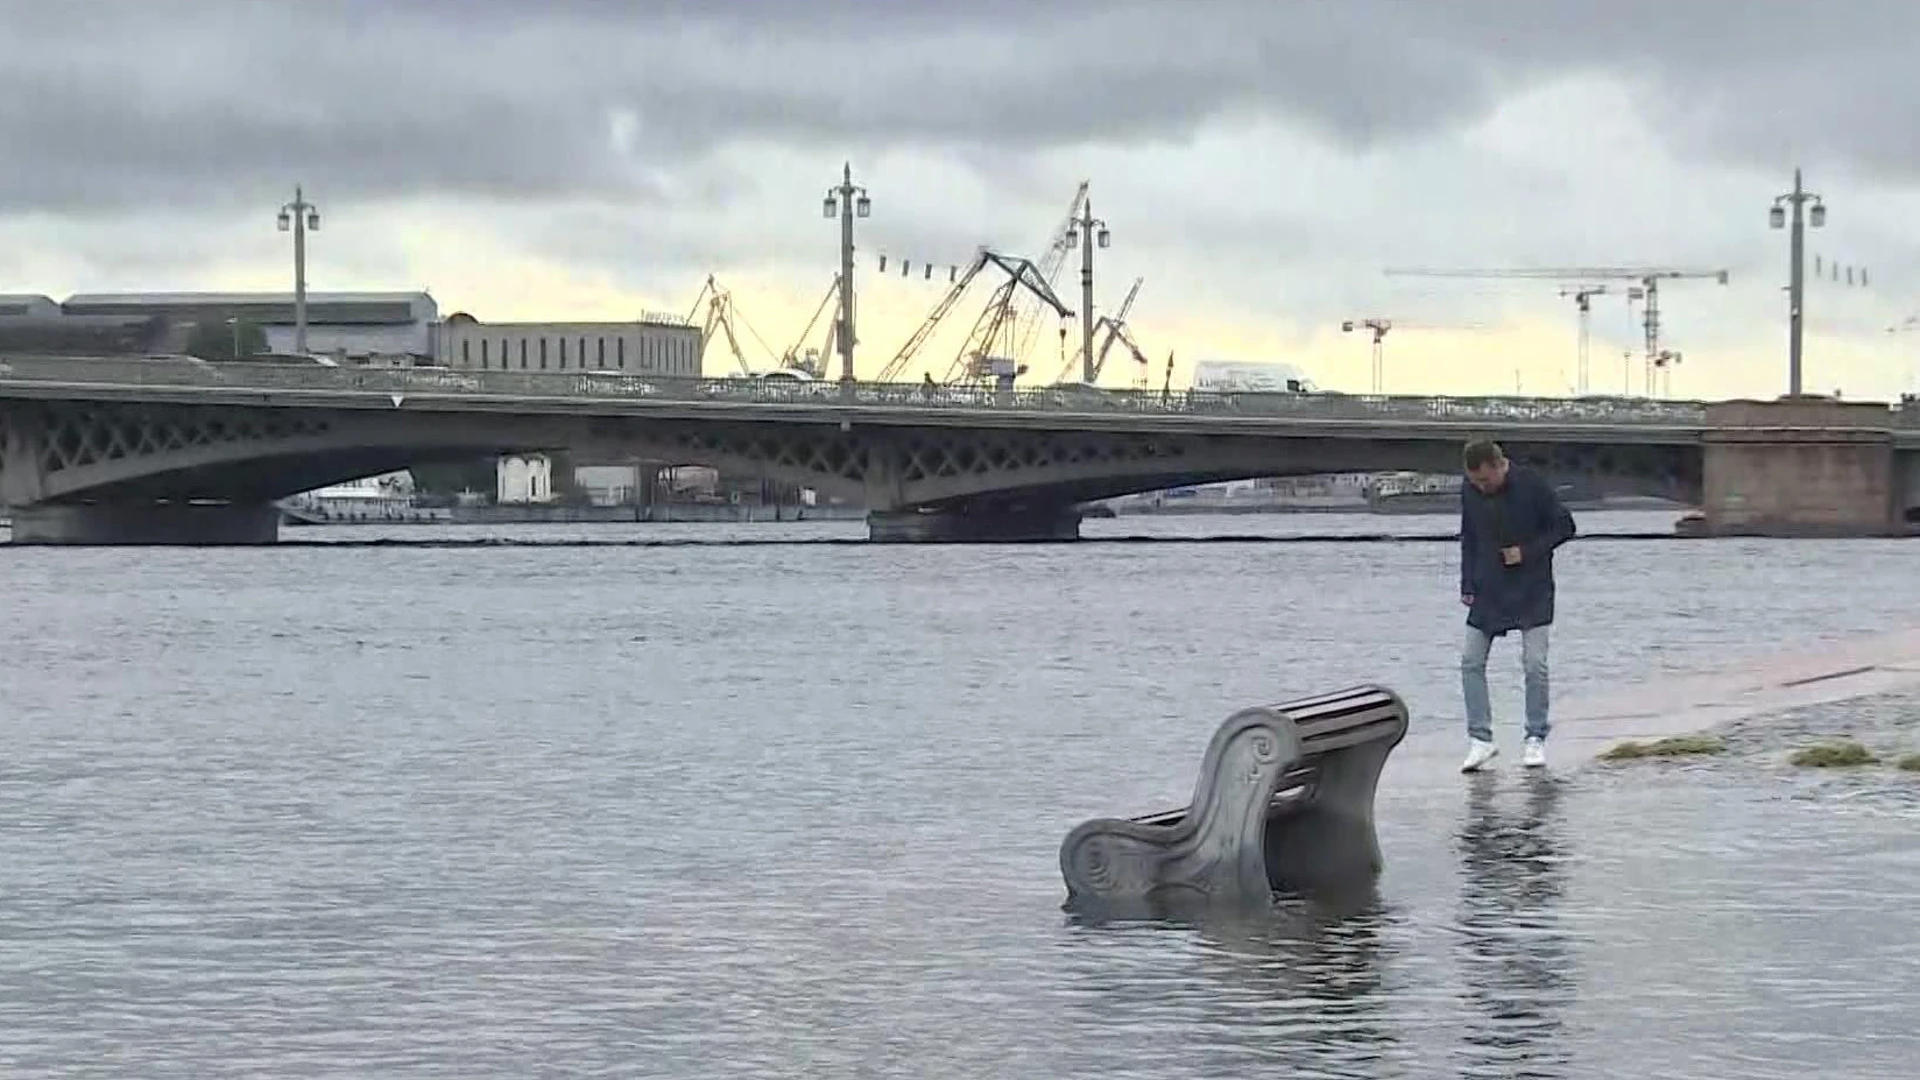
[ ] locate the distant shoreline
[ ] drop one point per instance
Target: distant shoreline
(1422, 509)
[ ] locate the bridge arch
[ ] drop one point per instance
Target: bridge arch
(78, 452)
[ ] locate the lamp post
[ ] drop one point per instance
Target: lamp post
(1087, 233)
(299, 216)
(846, 201)
(1816, 215)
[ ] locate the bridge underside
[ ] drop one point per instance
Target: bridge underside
(86, 472)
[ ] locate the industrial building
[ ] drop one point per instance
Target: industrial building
(91, 335)
(28, 305)
(653, 345)
(361, 328)
(345, 325)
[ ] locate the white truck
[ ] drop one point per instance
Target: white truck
(1250, 377)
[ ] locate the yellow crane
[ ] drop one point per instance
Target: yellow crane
(992, 326)
(721, 312)
(808, 361)
(1027, 319)
(1113, 328)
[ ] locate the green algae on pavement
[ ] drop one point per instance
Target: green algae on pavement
(1671, 747)
(1839, 754)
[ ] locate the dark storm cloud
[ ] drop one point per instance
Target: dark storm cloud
(191, 101)
(106, 105)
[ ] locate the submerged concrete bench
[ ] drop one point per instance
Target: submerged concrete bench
(1284, 804)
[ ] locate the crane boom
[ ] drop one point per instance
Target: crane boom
(1570, 273)
(1022, 274)
(1027, 323)
(722, 313)
(1647, 281)
(932, 322)
(1112, 327)
(793, 357)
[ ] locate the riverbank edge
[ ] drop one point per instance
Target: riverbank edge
(1705, 702)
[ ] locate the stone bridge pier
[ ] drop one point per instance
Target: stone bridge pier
(1806, 467)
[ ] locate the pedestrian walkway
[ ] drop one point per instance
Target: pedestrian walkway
(1585, 728)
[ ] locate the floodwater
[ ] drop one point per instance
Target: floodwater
(718, 809)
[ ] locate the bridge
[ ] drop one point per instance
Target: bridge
(173, 450)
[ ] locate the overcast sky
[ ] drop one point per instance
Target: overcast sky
(1260, 163)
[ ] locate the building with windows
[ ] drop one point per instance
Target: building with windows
(654, 345)
(345, 325)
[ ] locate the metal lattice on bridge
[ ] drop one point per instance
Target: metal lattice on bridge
(584, 386)
(119, 434)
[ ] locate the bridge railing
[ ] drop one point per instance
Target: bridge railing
(186, 372)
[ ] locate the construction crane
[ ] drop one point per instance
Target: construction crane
(993, 321)
(1645, 288)
(1115, 329)
(1379, 327)
(1026, 321)
(720, 312)
(1660, 373)
(932, 322)
(808, 361)
(1583, 300)
(1120, 332)
(977, 359)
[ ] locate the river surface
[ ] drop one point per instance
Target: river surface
(793, 809)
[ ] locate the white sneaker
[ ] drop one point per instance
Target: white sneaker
(1534, 755)
(1479, 752)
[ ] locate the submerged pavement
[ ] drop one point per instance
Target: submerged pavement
(1587, 727)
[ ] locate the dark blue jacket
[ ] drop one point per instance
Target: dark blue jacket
(1524, 513)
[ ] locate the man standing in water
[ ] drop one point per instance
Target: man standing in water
(1510, 523)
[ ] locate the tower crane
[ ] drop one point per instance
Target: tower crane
(1583, 300)
(1644, 286)
(1115, 329)
(1378, 327)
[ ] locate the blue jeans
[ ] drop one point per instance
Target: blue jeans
(1473, 682)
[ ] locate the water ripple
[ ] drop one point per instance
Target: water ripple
(744, 811)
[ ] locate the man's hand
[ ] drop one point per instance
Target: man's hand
(1467, 599)
(1510, 556)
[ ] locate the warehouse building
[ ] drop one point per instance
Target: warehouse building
(347, 325)
(653, 345)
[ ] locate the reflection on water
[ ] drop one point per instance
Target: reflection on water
(1363, 987)
(1514, 959)
(1303, 990)
(1322, 971)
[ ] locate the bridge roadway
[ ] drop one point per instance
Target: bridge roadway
(175, 450)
